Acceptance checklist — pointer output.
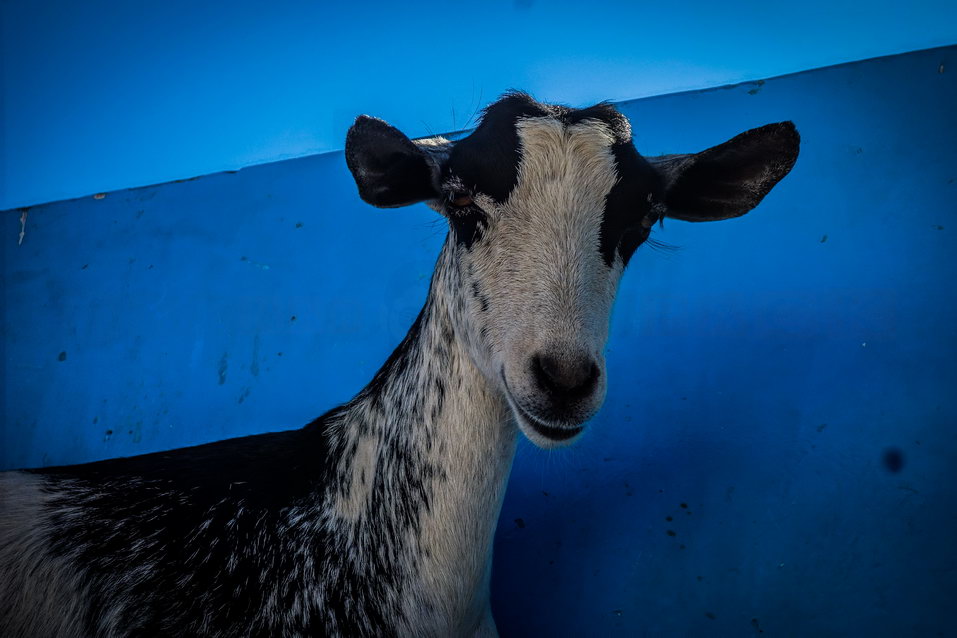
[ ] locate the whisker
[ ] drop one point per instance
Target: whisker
(662, 247)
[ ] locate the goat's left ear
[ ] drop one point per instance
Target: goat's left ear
(730, 179)
(390, 169)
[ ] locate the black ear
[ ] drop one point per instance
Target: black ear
(389, 168)
(730, 179)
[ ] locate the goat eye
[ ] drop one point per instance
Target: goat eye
(460, 200)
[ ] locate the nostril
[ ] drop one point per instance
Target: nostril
(571, 377)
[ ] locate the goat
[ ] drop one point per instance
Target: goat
(378, 517)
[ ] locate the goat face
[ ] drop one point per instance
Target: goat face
(546, 205)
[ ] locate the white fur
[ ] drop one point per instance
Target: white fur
(540, 263)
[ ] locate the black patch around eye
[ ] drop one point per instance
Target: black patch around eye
(468, 225)
(627, 204)
(630, 240)
(459, 201)
(487, 160)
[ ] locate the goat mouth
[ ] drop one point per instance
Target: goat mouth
(549, 431)
(554, 433)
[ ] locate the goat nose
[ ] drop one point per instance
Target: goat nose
(571, 377)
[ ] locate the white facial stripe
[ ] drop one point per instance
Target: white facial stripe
(540, 265)
(555, 213)
(573, 168)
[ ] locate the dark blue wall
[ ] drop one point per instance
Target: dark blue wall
(777, 449)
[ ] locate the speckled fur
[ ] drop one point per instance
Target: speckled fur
(403, 552)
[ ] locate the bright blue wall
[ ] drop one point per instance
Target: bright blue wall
(758, 375)
(107, 94)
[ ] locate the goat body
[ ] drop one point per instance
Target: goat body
(353, 525)
(377, 519)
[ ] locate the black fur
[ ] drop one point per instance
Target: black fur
(730, 179)
(724, 181)
(468, 226)
(487, 160)
(162, 501)
(628, 204)
(389, 169)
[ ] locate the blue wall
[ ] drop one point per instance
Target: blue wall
(777, 451)
(106, 94)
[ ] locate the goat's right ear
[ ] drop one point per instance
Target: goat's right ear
(390, 169)
(729, 179)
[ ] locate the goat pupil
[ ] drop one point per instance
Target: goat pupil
(460, 200)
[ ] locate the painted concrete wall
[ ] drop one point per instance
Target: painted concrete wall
(777, 451)
(106, 94)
